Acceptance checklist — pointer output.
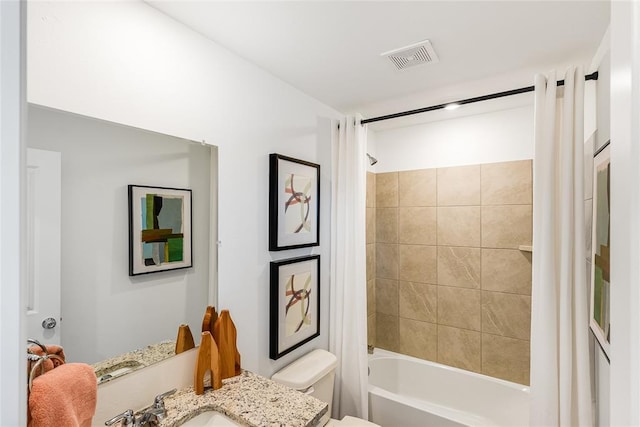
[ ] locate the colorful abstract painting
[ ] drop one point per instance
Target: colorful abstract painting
(160, 229)
(294, 304)
(162, 237)
(600, 281)
(294, 203)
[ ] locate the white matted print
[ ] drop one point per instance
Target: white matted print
(294, 203)
(159, 229)
(294, 304)
(600, 307)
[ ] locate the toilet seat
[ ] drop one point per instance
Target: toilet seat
(350, 422)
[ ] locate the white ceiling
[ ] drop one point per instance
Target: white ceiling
(331, 50)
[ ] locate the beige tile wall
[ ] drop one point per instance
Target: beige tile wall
(447, 281)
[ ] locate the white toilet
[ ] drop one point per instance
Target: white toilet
(313, 374)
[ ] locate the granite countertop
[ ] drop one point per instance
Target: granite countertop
(249, 399)
(133, 360)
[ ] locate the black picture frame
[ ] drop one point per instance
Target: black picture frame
(600, 286)
(289, 330)
(154, 249)
(290, 228)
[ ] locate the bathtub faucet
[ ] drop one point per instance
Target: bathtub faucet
(370, 349)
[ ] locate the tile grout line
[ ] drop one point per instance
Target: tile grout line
(437, 278)
(397, 249)
(397, 208)
(481, 297)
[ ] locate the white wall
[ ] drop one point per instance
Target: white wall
(128, 63)
(625, 213)
(372, 149)
(602, 385)
(100, 302)
(603, 96)
(497, 136)
(12, 361)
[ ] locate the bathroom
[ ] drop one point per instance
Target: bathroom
(156, 74)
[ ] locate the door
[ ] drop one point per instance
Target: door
(43, 245)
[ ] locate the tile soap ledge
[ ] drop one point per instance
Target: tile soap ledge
(249, 399)
(525, 248)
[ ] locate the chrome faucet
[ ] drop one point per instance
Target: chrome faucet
(151, 417)
(148, 417)
(128, 419)
(158, 404)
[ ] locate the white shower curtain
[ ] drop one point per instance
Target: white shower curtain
(560, 383)
(348, 316)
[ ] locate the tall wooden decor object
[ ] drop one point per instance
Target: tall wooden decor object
(225, 335)
(209, 319)
(184, 341)
(208, 360)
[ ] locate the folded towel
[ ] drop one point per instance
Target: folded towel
(48, 364)
(66, 396)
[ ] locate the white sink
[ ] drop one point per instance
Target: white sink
(210, 419)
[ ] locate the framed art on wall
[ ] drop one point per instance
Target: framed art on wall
(159, 229)
(600, 307)
(294, 317)
(294, 203)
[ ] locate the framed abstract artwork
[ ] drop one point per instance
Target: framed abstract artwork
(159, 229)
(294, 203)
(600, 307)
(294, 317)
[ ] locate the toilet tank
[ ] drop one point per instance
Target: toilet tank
(313, 374)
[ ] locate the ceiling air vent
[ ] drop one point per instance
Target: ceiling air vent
(412, 55)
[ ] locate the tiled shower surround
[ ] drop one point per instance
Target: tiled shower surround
(446, 280)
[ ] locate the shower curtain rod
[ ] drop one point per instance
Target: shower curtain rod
(592, 76)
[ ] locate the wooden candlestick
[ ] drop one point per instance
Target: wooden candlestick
(208, 360)
(184, 341)
(209, 319)
(225, 335)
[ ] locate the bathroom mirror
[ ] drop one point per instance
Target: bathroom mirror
(104, 311)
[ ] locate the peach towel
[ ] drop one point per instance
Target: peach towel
(65, 396)
(48, 364)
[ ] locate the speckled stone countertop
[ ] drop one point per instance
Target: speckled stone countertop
(248, 399)
(134, 360)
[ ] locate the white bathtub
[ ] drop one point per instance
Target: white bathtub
(409, 392)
